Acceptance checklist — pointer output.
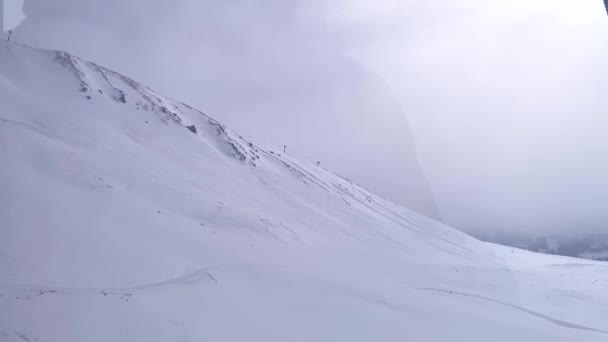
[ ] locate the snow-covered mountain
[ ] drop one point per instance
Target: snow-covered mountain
(128, 216)
(280, 59)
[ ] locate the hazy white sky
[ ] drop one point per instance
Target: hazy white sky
(13, 13)
(511, 112)
(505, 100)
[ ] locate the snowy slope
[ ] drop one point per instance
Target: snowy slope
(120, 223)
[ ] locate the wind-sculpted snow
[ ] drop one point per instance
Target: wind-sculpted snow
(129, 216)
(98, 80)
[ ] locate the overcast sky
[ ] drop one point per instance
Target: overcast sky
(504, 100)
(510, 117)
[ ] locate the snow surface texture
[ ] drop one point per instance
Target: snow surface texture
(127, 216)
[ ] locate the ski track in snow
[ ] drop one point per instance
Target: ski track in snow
(188, 277)
(533, 313)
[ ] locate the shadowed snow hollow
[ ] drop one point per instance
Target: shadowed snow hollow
(128, 216)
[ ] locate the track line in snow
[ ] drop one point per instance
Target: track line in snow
(533, 313)
(188, 277)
